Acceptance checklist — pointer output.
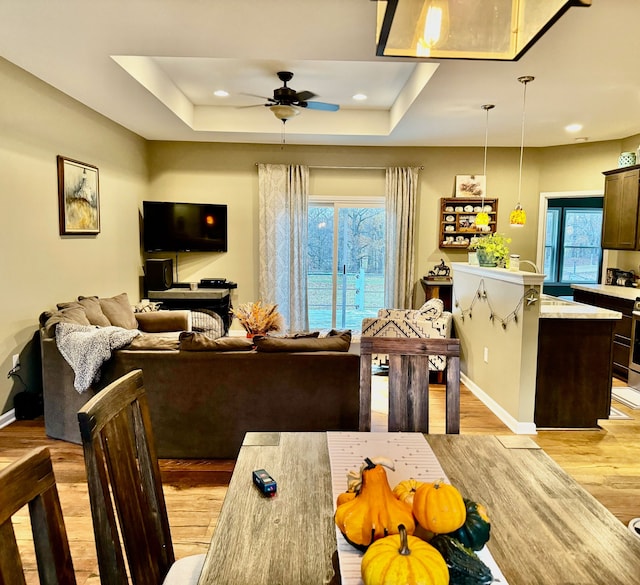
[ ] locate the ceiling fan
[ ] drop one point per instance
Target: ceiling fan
(286, 101)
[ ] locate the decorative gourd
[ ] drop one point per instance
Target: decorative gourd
(465, 567)
(406, 489)
(476, 530)
(439, 507)
(401, 559)
(345, 497)
(375, 512)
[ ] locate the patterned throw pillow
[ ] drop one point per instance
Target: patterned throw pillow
(432, 309)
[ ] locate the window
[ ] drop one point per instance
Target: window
(572, 246)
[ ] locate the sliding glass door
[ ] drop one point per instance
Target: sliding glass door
(345, 279)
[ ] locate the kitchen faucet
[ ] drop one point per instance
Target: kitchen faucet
(534, 266)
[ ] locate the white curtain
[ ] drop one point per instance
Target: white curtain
(400, 209)
(283, 204)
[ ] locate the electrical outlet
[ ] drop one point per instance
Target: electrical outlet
(16, 362)
(486, 355)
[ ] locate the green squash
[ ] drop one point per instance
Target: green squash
(475, 532)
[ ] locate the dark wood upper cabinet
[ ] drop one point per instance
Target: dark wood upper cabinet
(620, 209)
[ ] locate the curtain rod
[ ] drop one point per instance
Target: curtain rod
(350, 168)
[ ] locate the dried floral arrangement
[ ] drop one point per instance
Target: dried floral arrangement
(258, 318)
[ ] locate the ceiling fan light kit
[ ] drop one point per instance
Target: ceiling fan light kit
(465, 29)
(284, 112)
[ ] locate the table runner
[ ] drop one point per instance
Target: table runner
(413, 458)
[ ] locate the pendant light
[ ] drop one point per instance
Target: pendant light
(482, 219)
(518, 217)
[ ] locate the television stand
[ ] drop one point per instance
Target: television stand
(213, 299)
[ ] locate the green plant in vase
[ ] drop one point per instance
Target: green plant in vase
(492, 250)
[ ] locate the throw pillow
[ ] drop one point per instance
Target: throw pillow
(193, 341)
(92, 308)
(153, 342)
(74, 315)
(334, 343)
(432, 309)
(119, 312)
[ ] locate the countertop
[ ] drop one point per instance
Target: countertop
(555, 308)
(621, 292)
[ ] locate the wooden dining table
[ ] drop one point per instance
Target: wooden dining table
(545, 528)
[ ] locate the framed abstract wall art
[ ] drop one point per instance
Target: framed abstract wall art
(78, 197)
(470, 185)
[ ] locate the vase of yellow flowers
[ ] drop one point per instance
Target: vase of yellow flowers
(491, 250)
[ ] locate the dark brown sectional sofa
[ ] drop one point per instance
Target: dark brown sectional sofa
(203, 398)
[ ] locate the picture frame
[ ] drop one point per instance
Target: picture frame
(471, 185)
(78, 197)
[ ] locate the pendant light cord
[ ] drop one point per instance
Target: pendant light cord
(486, 108)
(524, 80)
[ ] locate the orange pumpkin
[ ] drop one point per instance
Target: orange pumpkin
(375, 512)
(403, 560)
(439, 507)
(406, 489)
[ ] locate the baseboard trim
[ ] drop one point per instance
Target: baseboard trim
(7, 418)
(520, 428)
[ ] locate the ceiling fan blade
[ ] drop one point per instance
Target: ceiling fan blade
(270, 99)
(305, 96)
(320, 106)
(252, 106)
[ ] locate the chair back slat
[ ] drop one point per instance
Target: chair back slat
(409, 381)
(120, 456)
(30, 481)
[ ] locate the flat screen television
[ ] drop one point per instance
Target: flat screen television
(184, 227)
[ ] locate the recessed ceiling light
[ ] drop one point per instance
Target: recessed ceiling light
(573, 127)
(221, 93)
(360, 97)
(582, 139)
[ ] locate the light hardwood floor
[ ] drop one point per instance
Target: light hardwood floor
(605, 461)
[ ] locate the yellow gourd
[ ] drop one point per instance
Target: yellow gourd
(439, 507)
(375, 512)
(406, 490)
(403, 560)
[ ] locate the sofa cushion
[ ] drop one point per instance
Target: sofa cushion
(119, 311)
(92, 308)
(340, 342)
(74, 314)
(162, 321)
(152, 341)
(194, 341)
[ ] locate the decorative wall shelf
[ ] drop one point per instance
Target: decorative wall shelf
(457, 220)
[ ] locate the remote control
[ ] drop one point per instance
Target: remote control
(264, 482)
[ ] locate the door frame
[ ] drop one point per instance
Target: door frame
(542, 222)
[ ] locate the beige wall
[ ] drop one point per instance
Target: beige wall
(38, 266)
(41, 268)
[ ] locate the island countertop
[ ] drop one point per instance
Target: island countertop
(556, 308)
(621, 292)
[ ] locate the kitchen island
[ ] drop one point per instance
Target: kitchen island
(536, 361)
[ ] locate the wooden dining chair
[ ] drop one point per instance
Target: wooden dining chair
(409, 381)
(30, 481)
(124, 481)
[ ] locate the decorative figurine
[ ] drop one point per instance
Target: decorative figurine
(440, 270)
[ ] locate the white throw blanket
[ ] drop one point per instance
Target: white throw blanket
(87, 347)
